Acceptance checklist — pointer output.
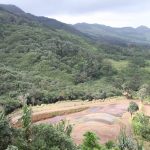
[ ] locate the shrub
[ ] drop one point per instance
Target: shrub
(126, 142)
(144, 91)
(46, 137)
(26, 121)
(65, 127)
(90, 142)
(110, 145)
(141, 126)
(5, 132)
(11, 147)
(133, 107)
(10, 105)
(43, 137)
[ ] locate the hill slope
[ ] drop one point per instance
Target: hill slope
(15, 14)
(126, 35)
(45, 63)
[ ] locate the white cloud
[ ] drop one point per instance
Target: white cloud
(109, 12)
(107, 18)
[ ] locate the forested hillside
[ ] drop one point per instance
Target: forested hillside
(46, 61)
(121, 36)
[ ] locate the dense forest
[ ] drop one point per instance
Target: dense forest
(47, 61)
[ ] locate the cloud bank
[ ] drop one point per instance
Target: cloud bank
(109, 12)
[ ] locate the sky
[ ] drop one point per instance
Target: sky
(116, 13)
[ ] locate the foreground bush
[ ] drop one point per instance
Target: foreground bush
(43, 137)
(141, 126)
(90, 142)
(5, 132)
(11, 147)
(126, 142)
(46, 137)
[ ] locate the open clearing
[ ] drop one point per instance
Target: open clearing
(104, 118)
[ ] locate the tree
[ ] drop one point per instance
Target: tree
(90, 142)
(47, 137)
(133, 107)
(144, 91)
(26, 121)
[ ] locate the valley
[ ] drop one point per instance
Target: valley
(72, 86)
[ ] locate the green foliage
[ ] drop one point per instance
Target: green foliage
(52, 64)
(10, 105)
(11, 147)
(110, 145)
(133, 107)
(144, 91)
(19, 139)
(133, 75)
(115, 36)
(90, 142)
(43, 63)
(5, 132)
(65, 127)
(26, 121)
(126, 142)
(46, 137)
(43, 137)
(141, 126)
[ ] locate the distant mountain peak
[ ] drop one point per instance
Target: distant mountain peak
(11, 8)
(116, 35)
(143, 27)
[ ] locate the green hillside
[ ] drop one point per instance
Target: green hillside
(120, 36)
(47, 64)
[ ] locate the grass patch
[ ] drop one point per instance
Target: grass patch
(119, 65)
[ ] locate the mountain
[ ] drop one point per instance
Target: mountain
(48, 61)
(12, 9)
(12, 13)
(45, 59)
(121, 36)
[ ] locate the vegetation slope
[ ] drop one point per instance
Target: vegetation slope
(43, 61)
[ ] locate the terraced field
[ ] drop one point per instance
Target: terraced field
(104, 118)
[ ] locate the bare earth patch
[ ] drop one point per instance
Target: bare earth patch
(104, 118)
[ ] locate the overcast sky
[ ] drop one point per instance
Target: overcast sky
(117, 13)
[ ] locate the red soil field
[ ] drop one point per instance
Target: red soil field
(105, 120)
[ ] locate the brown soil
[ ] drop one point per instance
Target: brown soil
(104, 118)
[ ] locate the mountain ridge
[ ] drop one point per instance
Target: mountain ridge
(122, 36)
(128, 35)
(97, 24)
(47, 22)
(49, 61)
